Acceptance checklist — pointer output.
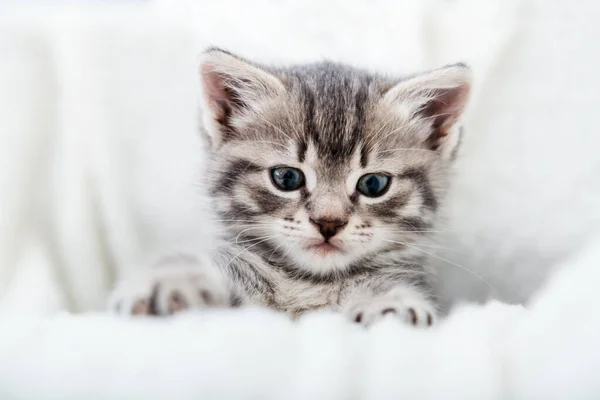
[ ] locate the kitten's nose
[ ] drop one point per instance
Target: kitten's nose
(329, 227)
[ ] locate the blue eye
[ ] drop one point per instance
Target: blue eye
(373, 185)
(287, 178)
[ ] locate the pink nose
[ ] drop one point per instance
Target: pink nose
(329, 227)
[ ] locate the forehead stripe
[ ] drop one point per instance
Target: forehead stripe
(302, 147)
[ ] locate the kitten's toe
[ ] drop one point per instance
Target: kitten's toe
(189, 291)
(132, 296)
(419, 315)
(169, 289)
(414, 312)
(139, 307)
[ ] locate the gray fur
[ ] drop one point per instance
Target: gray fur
(335, 123)
(337, 111)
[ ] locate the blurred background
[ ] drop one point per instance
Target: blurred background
(100, 154)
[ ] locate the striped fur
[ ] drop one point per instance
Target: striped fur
(335, 124)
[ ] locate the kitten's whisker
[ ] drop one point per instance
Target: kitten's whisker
(409, 231)
(228, 229)
(237, 220)
(448, 261)
(238, 226)
(407, 148)
(436, 231)
(445, 248)
(242, 225)
(245, 230)
(435, 246)
(252, 239)
(274, 250)
(247, 248)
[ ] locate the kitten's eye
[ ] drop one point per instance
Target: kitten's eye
(287, 178)
(373, 185)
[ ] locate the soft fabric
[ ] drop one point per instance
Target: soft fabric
(549, 351)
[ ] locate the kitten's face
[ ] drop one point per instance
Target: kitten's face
(323, 166)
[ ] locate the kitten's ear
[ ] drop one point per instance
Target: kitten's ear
(232, 87)
(436, 100)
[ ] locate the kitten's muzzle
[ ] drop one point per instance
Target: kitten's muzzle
(329, 227)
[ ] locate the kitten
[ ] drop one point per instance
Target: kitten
(325, 179)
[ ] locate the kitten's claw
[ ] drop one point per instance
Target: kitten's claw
(175, 285)
(411, 310)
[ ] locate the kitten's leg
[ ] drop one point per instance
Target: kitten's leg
(365, 305)
(172, 285)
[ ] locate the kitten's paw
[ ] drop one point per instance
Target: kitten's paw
(412, 310)
(174, 285)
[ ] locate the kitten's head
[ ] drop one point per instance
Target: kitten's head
(324, 165)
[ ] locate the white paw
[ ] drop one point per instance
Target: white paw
(175, 284)
(413, 310)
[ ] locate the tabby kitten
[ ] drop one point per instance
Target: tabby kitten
(325, 179)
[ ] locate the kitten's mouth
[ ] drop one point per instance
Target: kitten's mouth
(324, 248)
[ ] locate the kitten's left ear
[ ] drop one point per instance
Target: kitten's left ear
(232, 88)
(436, 100)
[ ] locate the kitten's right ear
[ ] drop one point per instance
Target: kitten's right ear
(435, 101)
(232, 87)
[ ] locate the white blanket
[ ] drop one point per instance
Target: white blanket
(98, 161)
(550, 351)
